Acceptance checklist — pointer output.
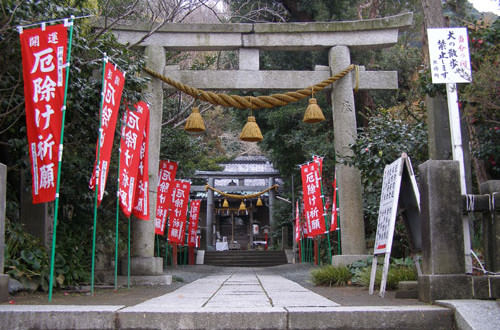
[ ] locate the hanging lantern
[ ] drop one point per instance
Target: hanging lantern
(194, 123)
(259, 202)
(225, 204)
(242, 206)
(313, 112)
(251, 131)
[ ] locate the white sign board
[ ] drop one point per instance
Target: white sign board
(388, 207)
(389, 202)
(449, 55)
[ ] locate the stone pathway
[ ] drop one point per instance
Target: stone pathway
(238, 290)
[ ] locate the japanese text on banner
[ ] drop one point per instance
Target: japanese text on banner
(44, 53)
(166, 177)
(313, 203)
(141, 198)
(177, 219)
(130, 146)
(114, 80)
(194, 213)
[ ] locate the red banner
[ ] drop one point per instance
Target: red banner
(313, 203)
(177, 219)
(141, 198)
(112, 94)
(44, 53)
(130, 146)
(335, 209)
(194, 214)
(297, 223)
(319, 160)
(166, 177)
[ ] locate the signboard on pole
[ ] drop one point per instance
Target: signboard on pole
(399, 190)
(450, 64)
(449, 55)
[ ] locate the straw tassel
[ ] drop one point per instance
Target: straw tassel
(251, 131)
(194, 122)
(313, 112)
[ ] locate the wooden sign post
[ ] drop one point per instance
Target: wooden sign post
(398, 180)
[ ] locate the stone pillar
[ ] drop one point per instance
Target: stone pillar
(210, 215)
(491, 229)
(143, 261)
(272, 225)
(443, 265)
(438, 128)
(4, 278)
(348, 178)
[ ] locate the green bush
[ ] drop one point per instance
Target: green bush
(330, 275)
(394, 276)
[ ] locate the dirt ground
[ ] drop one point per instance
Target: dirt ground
(106, 295)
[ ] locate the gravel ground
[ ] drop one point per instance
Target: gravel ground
(299, 273)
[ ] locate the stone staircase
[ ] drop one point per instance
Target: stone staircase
(245, 258)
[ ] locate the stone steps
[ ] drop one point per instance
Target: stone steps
(118, 317)
(240, 258)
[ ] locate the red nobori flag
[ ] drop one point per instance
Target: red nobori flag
(179, 205)
(141, 198)
(44, 53)
(319, 160)
(166, 177)
(194, 214)
(130, 146)
(297, 223)
(114, 80)
(313, 203)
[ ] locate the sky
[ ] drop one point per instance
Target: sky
(487, 5)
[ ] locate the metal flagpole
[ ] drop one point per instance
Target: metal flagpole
(128, 255)
(117, 213)
(97, 174)
(59, 165)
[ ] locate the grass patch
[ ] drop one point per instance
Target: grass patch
(330, 276)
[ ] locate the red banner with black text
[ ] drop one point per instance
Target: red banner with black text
(44, 55)
(194, 215)
(313, 204)
(131, 142)
(141, 197)
(166, 177)
(178, 215)
(113, 83)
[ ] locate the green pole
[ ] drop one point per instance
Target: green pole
(166, 253)
(327, 226)
(97, 174)
(59, 165)
(128, 255)
(117, 217)
(302, 250)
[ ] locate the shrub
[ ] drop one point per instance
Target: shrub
(394, 276)
(330, 275)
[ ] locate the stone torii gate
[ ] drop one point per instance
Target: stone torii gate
(249, 39)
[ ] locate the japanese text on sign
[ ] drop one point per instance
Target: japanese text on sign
(449, 55)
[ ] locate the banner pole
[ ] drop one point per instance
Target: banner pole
(117, 216)
(166, 253)
(128, 255)
(97, 174)
(59, 165)
(325, 216)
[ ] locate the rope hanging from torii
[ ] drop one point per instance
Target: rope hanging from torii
(241, 197)
(253, 102)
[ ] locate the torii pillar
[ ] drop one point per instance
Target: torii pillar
(143, 261)
(348, 177)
